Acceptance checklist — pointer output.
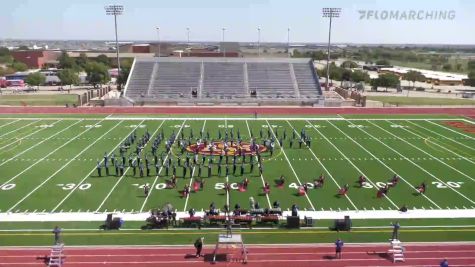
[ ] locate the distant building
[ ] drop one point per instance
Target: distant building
(231, 49)
(151, 48)
(36, 59)
(431, 77)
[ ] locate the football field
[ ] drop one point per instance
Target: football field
(49, 164)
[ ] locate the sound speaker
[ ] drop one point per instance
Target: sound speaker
(343, 225)
(293, 222)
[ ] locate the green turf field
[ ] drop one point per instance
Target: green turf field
(49, 165)
(417, 101)
(39, 100)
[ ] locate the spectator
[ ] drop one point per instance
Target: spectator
(396, 227)
(57, 234)
(295, 210)
(199, 246)
(444, 263)
(338, 247)
(251, 202)
(191, 212)
(174, 219)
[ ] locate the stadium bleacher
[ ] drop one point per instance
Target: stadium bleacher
(276, 80)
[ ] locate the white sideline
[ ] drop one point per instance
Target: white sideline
(93, 169)
(62, 167)
(351, 162)
(354, 214)
(424, 170)
(39, 143)
(290, 164)
(443, 136)
(389, 168)
(109, 117)
(427, 153)
(125, 173)
(262, 177)
(323, 166)
(192, 174)
(243, 118)
(160, 170)
(260, 228)
(50, 153)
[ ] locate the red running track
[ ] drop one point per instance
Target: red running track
(266, 256)
(469, 112)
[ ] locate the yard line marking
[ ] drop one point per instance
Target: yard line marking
(290, 164)
(452, 130)
(430, 155)
(193, 174)
(63, 166)
(1, 126)
(50, 153)
(160, 170)
(227, 192)
(389, 168)
(434, 132)
(125, 172)
(37, 144)
(424, 170)
(93, 169)
(262, 177)
(358, 169)
(323, 166)
(26, 136)
(20, 128)
(443, 147)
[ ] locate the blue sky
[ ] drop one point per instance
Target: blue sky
(86, 19)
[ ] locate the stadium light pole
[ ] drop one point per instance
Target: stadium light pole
(158, 40)
(258, 41)
(222, 43)
(288, 41)
(188, 39)
(115, 10)
(332, 12)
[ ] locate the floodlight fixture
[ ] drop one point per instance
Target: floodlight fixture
(333, 12)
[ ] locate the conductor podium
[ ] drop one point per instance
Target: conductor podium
(230, 240)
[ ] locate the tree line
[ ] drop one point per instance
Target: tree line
(97, 69)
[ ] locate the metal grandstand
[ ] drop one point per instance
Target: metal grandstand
(215, 81)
